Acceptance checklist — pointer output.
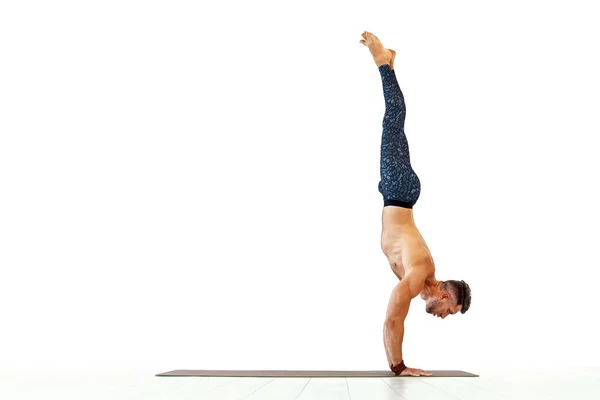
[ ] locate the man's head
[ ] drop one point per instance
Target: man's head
(452, 297)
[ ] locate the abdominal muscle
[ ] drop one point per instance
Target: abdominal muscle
(402, 242)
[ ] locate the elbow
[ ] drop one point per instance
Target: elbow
(392, 322)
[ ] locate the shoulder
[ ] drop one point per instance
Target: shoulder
(414, 280)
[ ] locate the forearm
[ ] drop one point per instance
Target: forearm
(393, 337)
(397, 311)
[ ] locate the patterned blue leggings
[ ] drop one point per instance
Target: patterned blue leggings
(399, 184)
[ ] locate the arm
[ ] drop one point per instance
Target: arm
(407, 289)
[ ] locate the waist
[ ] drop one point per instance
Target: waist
(397, 217)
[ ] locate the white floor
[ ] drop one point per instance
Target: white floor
(572, 384)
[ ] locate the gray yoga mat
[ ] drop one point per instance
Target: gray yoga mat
(305, 374)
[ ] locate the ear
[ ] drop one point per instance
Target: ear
(445, 295)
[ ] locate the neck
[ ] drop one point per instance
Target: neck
(430, 289)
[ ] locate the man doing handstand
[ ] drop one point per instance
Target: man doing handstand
(401, 241)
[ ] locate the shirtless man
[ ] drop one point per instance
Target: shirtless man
(401, 241)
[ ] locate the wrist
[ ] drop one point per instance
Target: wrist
(398, 368)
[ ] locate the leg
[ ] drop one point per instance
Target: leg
(399, 185)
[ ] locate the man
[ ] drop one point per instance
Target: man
(401, 241)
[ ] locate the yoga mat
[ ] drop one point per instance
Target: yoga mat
(306, 374)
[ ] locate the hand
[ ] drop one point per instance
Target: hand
(415, 372)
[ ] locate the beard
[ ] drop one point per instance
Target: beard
(432, 305)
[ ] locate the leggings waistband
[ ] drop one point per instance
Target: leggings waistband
(398, 203)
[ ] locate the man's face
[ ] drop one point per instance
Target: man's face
(442, 307)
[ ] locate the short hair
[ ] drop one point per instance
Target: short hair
(461, 291)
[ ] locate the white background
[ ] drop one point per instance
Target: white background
(193, 185)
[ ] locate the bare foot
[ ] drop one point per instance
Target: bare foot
(381, 55)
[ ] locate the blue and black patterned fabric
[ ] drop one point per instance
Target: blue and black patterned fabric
(399, 184)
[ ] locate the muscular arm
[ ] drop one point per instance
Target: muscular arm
(407, 289)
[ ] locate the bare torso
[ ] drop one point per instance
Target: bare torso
(403, 244)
